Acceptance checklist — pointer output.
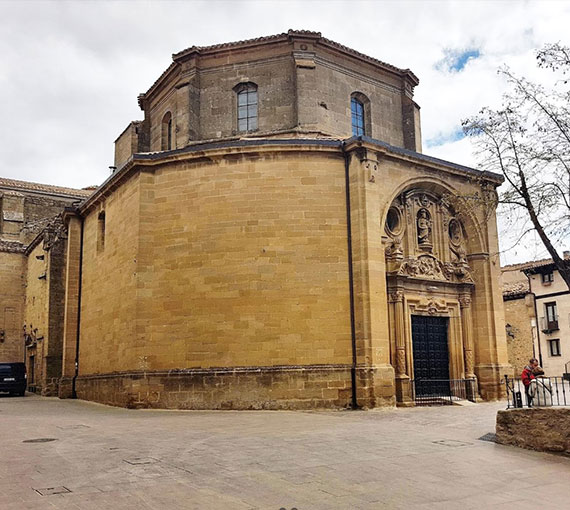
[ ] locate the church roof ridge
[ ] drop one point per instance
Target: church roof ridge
(44, 188)
(275, 37)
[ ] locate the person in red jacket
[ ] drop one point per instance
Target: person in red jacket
(528, 374)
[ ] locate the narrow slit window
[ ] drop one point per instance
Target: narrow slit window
(166, 134)
(101, 231)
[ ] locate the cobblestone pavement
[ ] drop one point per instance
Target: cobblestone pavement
(101, 457)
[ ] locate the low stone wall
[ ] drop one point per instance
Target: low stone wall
(544, 429)
(290, 387)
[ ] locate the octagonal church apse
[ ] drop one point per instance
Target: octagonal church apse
(273, 238)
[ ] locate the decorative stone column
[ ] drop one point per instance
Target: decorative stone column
(403, 389)
(467, 327)
(397, 297)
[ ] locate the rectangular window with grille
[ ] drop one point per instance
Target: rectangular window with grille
(247, 109)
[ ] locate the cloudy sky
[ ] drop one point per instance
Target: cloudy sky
(71, 70)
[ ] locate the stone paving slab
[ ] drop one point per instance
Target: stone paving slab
(112, 458)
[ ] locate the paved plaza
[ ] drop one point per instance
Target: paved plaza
(91, 456)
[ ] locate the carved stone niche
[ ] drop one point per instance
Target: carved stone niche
(424, 225)
(423, 221)
(426, 239)
(395, 227)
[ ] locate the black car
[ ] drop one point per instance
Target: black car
(13, 378)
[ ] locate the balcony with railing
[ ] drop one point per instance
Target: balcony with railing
(549, 324)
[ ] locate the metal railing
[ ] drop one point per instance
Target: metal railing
(549, 324)
(541, 392)
(432, 392)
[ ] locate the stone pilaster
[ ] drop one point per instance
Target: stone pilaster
(403, 389)
(71, 307)
(375, 374)
(467, 327)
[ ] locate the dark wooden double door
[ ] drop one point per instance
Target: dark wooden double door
(431, 353)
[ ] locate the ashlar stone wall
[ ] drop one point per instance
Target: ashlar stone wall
(518, 314)
(12, 266)
(229, 273)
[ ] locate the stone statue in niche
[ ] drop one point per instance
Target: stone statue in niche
(456, 241)
(424, 229)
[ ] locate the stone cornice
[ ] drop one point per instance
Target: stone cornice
(211, 150)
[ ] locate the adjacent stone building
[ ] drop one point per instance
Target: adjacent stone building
(537, 314)
(520, 318)
(553, 313)
(26, 209)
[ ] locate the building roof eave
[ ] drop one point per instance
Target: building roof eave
(496, 179)
(212, 148)
(181, 56)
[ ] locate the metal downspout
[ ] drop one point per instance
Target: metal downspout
(354, 402)
(73, 391)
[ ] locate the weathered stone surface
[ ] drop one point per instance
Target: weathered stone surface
(284, 387)
(545, 429)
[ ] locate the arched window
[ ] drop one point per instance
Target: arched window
(246, 107)
(357, 116)
(166, 132)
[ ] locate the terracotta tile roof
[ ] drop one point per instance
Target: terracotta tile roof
(12, 246)
(245, 42)
(526, 265)
(513, 289)
(14, 184)
(269, 38)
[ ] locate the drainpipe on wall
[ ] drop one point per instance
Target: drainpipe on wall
(536, 320)
(354, 402)
(73, 392)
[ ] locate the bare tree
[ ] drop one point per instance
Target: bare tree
(528, 141)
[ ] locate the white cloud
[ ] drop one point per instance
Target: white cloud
(71, 71)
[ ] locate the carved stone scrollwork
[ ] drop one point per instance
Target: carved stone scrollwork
(432, 306)
(427, 267)
(396, 296)
(465, 301)
(469, 363)
(394, 251)
(400, 361)
(424, 266)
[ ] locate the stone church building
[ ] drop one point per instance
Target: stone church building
(273, 237)
(32, 284)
